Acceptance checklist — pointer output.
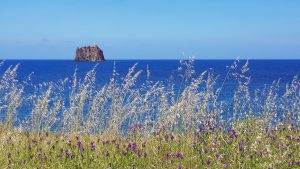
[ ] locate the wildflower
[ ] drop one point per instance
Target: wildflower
(179, 167)
(226, 164)
(117, 146)
(124, 153)
(48, 142)
(145, 154)
(208, 162)
(166, 138)
(29, 147)
(298, 163)
(77, 137)
(134, 146)
(129, 146)
(144, 144)
(179, 155)
(40, 149)
(8, 155)
(93, 147)
(233, 134)
(67, 153)
(139, 153)
(34, 141)
(167, 156)
(172, 137)
(78, 144)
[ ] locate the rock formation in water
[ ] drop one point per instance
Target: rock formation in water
(90, 54)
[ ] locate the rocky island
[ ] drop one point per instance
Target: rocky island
(89, 54)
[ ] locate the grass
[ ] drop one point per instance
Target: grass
(249, 145)
(151, 125)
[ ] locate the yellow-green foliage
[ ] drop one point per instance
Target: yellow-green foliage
(248, 145)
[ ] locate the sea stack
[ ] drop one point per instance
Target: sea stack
(89, 54)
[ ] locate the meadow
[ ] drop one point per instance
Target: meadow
(124, 124)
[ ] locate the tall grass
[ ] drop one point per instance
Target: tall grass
(120, 104)
(150, 124)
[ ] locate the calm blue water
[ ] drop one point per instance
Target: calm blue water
(262, 72)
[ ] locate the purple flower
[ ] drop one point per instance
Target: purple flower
(208, 162)
(124, 153)
(48, 142)
(145, 154)
(233, 134)
(82, 149)
(117, 146)
(77, 137)
(29, 147)
(139, 153)
(179, 155)
(226, 164)
(172, 137)
(134, 146)
(128, 146)
(179, 167)
(67, 153)
(78, 144)
(167, 156)
(166, 138)
(93, 147)
(298, 163)
(34, 141)
(40, 149)
(8, 155)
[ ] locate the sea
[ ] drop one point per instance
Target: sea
(261, 72)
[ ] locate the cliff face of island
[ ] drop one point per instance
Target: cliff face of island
(89, 54)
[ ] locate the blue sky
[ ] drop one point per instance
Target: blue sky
(153, 29)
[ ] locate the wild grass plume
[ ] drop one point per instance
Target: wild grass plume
(75, 123)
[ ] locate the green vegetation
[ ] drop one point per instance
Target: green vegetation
(247, 146)
(150, 125)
